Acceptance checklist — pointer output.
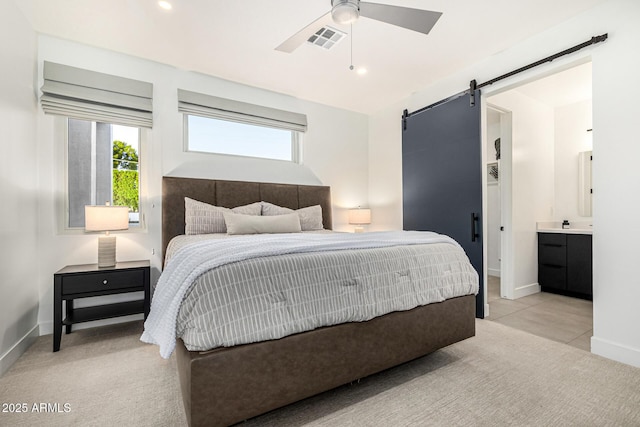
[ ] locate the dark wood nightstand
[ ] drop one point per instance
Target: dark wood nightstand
(81, 281)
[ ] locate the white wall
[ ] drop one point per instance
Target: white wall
(18, 186)
(385, 169)
(571, 137)
(334, 152)
(532, 183)
(616, 64)
(616, 203)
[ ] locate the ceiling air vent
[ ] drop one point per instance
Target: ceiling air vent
(326, 37)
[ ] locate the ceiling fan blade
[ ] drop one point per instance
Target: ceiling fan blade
(296, 40)
(405, 17)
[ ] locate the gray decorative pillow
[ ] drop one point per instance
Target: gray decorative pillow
(310, 217)
(203, 218)
(248, 224)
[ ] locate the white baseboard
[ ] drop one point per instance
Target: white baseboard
(486, 310)
(14, 353)
(526, 290)
(493, 272)
(615, 351)
(46, 328)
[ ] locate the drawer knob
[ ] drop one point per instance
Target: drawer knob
(104, 282)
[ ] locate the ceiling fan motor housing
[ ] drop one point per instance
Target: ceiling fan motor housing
(345, 11)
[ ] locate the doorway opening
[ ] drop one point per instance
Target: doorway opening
(498, 199)
(537, 130)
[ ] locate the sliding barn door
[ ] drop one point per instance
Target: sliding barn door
(442, 176)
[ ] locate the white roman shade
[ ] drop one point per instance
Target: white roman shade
(227, 109)
(89, 95)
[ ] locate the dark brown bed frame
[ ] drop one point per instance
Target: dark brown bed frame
(228, 385)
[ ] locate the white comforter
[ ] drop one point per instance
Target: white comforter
(188, 263)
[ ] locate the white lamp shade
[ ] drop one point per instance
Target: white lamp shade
(106, 218)
(359, 216)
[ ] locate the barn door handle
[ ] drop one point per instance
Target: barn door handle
(474, 230)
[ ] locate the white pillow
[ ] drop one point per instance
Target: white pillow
(247, 224)
(310, 217)
(203, 218)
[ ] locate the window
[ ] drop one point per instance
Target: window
(103, 165)
(220, 136)
(103, 117)
(226, 126)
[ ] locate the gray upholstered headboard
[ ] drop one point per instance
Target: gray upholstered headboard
(234, 193)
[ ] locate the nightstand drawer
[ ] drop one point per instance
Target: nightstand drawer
(95, 282)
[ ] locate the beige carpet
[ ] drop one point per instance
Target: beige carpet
(500, 377)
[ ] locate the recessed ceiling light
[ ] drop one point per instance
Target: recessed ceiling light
(165, 5)
(361, 71)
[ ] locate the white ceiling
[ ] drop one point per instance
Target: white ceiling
(235, 40)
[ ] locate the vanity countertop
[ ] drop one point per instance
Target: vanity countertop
(556, 227)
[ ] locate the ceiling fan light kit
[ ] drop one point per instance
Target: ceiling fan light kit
(345, 12)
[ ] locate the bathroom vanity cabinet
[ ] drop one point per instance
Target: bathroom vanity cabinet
(565, 263)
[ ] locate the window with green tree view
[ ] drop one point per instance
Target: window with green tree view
(103, 164)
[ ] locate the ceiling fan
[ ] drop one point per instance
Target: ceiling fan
(346, 12)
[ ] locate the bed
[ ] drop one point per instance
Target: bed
(227, 385)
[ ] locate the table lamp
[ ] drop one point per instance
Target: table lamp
(106, 218)
(359, 217)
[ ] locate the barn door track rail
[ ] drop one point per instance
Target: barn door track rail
(474, 86)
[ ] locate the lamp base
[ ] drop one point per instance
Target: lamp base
(106, 251)
(358, 229)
